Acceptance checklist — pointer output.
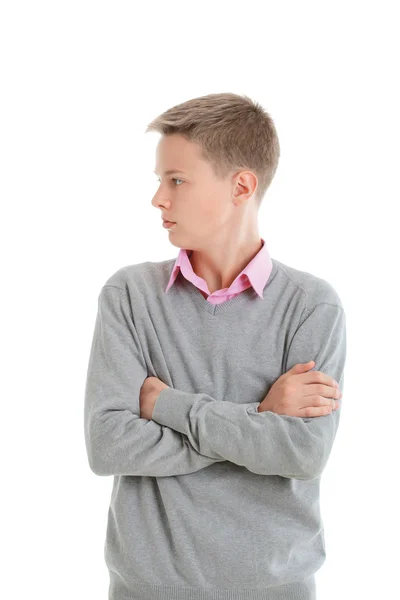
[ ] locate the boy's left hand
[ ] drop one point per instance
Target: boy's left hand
(149, 392)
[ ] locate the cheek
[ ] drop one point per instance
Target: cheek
(207, 218)
(208, 208)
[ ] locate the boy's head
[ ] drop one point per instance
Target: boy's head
(228, 151)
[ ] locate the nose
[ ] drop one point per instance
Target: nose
(159, 200)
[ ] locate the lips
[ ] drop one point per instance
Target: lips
(168, 224)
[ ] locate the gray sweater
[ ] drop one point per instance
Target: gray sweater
(211, 500)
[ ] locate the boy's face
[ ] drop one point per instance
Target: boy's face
(192, 196)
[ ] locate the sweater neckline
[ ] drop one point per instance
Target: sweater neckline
(247, 295)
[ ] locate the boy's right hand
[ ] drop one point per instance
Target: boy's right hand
(298, 393)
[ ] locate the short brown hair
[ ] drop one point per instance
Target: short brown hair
(233, 132)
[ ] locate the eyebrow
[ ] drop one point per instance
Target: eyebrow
(170, 171)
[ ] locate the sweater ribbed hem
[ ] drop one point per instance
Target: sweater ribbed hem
(300, 590)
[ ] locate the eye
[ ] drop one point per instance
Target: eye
(173, 179)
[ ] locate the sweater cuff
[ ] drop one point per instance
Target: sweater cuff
(172, 408)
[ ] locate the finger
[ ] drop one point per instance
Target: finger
(316, 400)
(315, 411)
(318, 377)
(322, 390)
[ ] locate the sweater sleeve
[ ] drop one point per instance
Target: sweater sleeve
(118, 441)
(267, 443)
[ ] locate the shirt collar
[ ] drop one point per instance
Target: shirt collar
(257, 270)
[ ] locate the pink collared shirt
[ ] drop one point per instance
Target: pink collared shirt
(255, 274)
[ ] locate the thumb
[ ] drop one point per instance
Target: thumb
(300, 367)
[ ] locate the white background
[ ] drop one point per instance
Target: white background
(80, 81)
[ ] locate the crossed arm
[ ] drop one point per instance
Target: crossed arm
(189, 432)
